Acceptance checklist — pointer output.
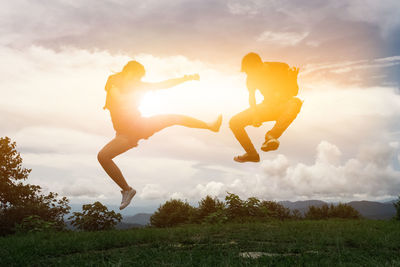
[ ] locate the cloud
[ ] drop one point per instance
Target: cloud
(57, 140)
(177, 195)
(385, 14)
(53, 110)
(153, 191)
(77, 190)
(282, 38)
(213, 188)
(366, 72)
(328, 153)
(369, 175)
(238, 8)
(215, 31)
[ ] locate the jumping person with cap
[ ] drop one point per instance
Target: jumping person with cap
(277, 82)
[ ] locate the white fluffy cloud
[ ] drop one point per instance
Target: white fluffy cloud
(153, 191)
(368, 175)
(212, 188)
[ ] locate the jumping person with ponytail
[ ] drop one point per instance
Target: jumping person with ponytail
(124, 92)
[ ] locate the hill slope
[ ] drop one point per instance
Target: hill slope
(287, 243)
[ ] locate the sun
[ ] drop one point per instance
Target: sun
(151, 104)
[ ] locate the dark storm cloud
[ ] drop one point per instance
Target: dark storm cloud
(208, 30)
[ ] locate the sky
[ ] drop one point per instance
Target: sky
(344, 145)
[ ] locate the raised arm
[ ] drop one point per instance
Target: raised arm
(171, 82)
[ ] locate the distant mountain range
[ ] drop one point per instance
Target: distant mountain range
(140, 218)
(374, 210)
(368, 209)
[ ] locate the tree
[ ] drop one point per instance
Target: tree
(296, 215)
(274, 210)
(252, 207)
(19, 200)
(95, 217)
(33, 224)
(235, 207)
(343, 211)
(207, 206)
(313, 213)
(397, 207)
(172, 213)
(11, 172)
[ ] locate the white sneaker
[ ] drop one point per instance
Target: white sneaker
(127, 196)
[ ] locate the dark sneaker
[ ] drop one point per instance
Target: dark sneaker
(253, 157)
(270, 144)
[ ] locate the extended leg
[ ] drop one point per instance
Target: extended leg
(159, 122)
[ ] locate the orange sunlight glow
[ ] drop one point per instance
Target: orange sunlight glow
(197, 98)
(151, 104)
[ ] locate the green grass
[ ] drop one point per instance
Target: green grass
(311, 243)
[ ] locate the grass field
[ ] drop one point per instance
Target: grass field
(311, 243)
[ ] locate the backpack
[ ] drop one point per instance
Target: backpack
(284, 77)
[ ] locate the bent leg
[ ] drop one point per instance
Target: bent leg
(237, 124)
(245, 118)
(114, 148)
(289, 113)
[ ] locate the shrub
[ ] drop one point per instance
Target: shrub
(95, 217)
(317, 213)
(172, 213)
(34, 223)
(343, 211)
(208, 206)
(252, 207)
(235, 207)
(397, 207)
(272, 209)
(296, 215)
(218, 217)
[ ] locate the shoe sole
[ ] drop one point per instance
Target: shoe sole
(240, 161)
(270, 146)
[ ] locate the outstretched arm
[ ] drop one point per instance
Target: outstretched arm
(171, 82)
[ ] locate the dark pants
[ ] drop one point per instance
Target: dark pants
(283, 113)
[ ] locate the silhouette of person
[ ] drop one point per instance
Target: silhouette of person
(124, 92)
(278, 84)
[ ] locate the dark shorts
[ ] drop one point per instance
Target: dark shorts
(269, 111)
(135, 128)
